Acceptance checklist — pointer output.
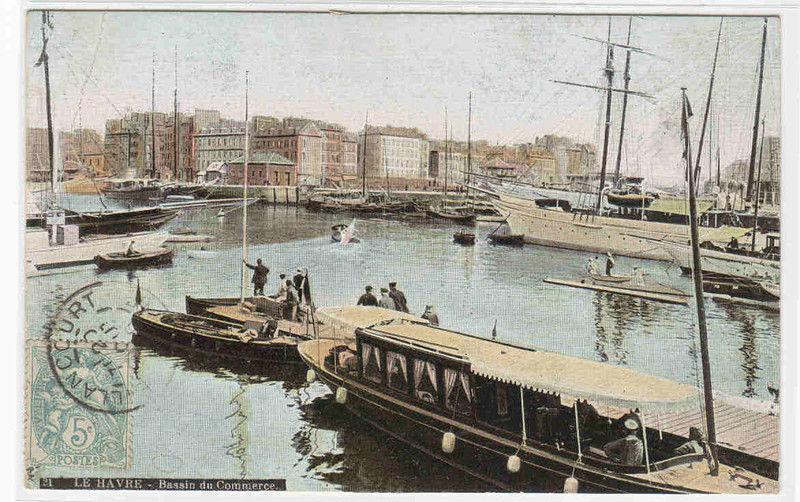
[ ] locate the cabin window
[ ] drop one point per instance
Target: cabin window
(372, 363)
(458, 396)
(502, 399)
(425, 387)
(396, 371)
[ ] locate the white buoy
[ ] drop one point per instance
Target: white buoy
(513, 464)
(448, 442)
(311, 375)
(341, 395)
(570, 485)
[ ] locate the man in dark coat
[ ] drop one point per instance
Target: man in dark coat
(302, 286)
(259, 276)
(368, 299)
(398, 297)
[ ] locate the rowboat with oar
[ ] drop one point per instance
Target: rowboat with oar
(135, 259)
(516, 417)
(637, 285)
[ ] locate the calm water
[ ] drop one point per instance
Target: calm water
(201, 419)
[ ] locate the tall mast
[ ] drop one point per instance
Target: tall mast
(750, 172)
(364, 159)
(244, 201)
(698, 287)
(385, 167)
(708, 107)
(175, 113)
(469, 150)
(627, 78)
(609, 71)
(153, 121)
(45, 60)
(446, 156)
(758, 188)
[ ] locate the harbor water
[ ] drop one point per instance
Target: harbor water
(203, 418)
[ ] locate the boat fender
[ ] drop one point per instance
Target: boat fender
(311, 375)
(570, 485)
(341, 395)
(448, 442)
(513, 464)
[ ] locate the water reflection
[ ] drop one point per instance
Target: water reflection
(747, 333)
(615, 317)
(238, 449)
(362, 459)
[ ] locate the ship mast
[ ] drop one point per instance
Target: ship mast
(153, 121)
(697, 276)
(751, 170)
(44, 60)
(627, 77)
(446, 158)
(758, 188)
(175, 117)
(364, 160)
(708, 108)
(244, 195)
(469, 151)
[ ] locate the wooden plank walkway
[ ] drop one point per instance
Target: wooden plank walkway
(747, 431)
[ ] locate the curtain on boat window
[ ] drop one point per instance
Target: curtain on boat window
(396, 368)
(425, 387)
(457, 392)
(372, 362)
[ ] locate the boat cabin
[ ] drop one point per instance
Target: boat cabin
(566, 406)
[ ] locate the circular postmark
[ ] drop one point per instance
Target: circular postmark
(89, 345)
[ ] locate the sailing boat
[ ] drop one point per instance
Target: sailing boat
(54, 239)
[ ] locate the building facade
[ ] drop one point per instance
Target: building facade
(37, 166)
(300, 141)
(263, 169)
(81, 153)
(217, 145)
(397, 152)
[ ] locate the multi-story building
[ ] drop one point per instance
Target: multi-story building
(339, 151)
(206, 119)
(184, 168)
(37, 166)
(398, 152)
(263, 168)
(81, 153)
(447, 159)
(125, 146)
(300, 141)
(733, 178)
(217, 145)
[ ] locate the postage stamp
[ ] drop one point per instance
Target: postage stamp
(73, 398)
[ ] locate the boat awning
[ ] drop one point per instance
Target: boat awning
(571, 377)
(725, 233)
(679, 206)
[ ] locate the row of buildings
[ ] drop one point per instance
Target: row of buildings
(188, 146)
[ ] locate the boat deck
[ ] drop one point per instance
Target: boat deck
(740, 430)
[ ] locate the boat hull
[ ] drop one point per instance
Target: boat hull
(594, 234)
(148, 259)
(228, 348)
(475, 454)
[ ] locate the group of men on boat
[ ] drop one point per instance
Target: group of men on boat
(295, 291)
(394, 299)
(591, 265)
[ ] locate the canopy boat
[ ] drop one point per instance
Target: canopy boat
(464, 238)
(629, 199)
(135, 259)
(344, 233)
(256, 341)
(740, 288)
(507, 239)
(138, 189)
(505, 414)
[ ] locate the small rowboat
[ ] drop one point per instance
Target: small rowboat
(337, 231)
(138, 259)
(213, 336)
(464, 218)
(464, 238)
(264, 305)
(507, 239)
(627, 285)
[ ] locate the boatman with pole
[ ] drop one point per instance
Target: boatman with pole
(609, 263)
(259, 276)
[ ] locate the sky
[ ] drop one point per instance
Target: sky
(404, 69)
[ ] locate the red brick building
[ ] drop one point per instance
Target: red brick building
(264, 168)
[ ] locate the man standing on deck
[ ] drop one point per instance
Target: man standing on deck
(368, 299)
(398, 297)
(609, 263)
(386, 302)
(430, 315)
(259, 276)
